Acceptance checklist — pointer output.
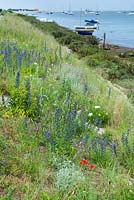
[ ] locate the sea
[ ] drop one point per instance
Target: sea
(118, 26)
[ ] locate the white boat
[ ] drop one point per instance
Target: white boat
(97, 13)
(84, 30)
(65, 12)
(131, 13)
(89, 27)
(70, 13)
(45, 20)
(89, 11)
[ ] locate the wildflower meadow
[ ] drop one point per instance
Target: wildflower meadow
(65, 134)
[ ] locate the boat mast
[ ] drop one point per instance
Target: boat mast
(80, 15)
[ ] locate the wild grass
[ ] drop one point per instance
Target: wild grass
(55, 111)
(115, 64)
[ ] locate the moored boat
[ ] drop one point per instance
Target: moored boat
(131, 13)
(89, 27)
(92, 23)
(97, 13)
(70, 13)
(84, 30)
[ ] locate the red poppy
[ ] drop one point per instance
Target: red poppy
(91, 166)
(84, 162)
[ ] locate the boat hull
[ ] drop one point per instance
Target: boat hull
(84, 32)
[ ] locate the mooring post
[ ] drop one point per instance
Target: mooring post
(104, 41)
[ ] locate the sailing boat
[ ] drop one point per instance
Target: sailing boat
(92, 23)
(84, 30)
(97, 13)
(97, 10)
(70, 12)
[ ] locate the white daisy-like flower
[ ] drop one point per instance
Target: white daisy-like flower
(96, 129)
(130, 183)
(86, 124)
(96, 107)
(35, 63)
(78, 112)
(90, 114)
(101, 131)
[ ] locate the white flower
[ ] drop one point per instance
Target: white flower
(96, 129)
(89, 126)
(78, 112)
(86, 124)
(101, 131)
(96, 107)
(130, 183)
(35, 63)
(90, 114)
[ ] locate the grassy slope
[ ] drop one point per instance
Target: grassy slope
(28, 167)
(115, 64)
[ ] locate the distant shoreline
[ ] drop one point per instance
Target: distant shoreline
(115, 47)
(111, 46)
(124, 41)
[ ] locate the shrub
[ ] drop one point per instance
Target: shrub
(68, 177)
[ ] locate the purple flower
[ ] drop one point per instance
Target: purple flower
(79, 151)
(41, 148)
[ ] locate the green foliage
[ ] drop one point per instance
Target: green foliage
(68, 176)
(82, 45)
(98, 115)
(59, 114)
(109, 64)
(131, 96)
(72, 183)
(112, 66)
(24, 103)
(9, 194)
(46, 196)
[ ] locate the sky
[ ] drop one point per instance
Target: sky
(69, 4)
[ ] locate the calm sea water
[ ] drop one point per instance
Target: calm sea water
(119, 27)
